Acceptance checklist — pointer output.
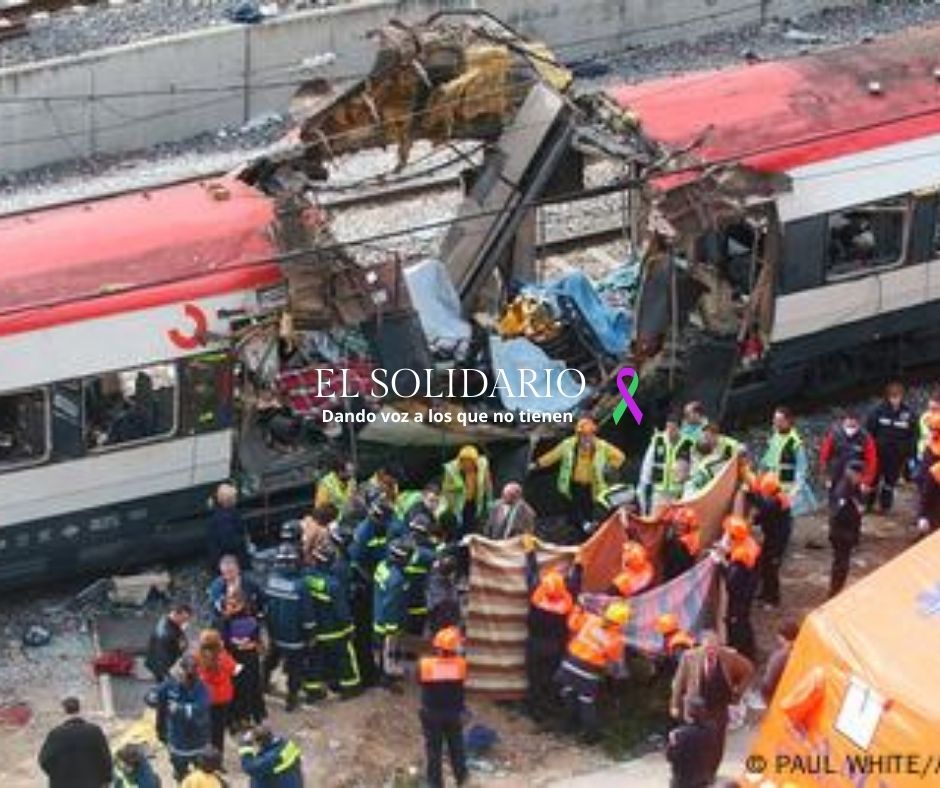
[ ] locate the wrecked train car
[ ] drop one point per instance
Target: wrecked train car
(794, 240)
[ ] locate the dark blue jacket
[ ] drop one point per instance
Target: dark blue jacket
(330, 601)
(289, 610)
(417, 571)
(183, 717)
(389, 599)
(369, 545)
(227, 534)
(142, 776)
(276, 766)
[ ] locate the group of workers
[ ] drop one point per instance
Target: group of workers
(374, 571)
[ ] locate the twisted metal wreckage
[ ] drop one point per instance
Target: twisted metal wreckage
(466, 76)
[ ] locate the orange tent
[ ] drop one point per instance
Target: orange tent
(859, 702)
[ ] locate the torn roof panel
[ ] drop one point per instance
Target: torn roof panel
(777, 116)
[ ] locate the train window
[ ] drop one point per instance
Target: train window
(24, 428)
(130, 406)
(865, 237)
(206, 398)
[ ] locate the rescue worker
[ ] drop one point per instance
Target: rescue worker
(290, 620)
(551, 599)
(583, 462)
(785, 456)
(928, 505)
(771, 513)
(183, 716)
(271, 761)
(442, 679)
(443, 597)
(359, 588)
(665, 466)
(892, 426)
(132, 769)
(417, 571)
(923, 431)
(389, 605)
(741, 553)
(425, 501)
(636, 574)
(844, 443)
(332, 660)
(675, 642)
(335, 487)
(597, 645)
(468, 489)
(386, 481)
(682, 542)
(694, 421)
(709, 455)
(846, 503)
(370, 539)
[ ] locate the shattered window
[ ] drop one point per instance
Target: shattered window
(130, 406)
(864, 237)
(24, 433)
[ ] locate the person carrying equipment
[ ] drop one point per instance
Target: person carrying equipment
(597, 645)
(551, 600)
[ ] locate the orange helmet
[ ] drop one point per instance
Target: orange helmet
(666, 624)
(746, 553)
(686, 517)
(935, 472)
(768, 484)
(553, 583)
(736, 527)
(933, 421)
(586, 426)
(634, 555)
(447, 639)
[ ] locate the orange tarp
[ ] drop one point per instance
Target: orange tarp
(862, 691)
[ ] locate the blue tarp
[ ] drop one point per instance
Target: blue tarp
(509, 356)
(610, 326)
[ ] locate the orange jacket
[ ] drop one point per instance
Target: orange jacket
(597, 642)
(746, 552)
(219, 680)
(560, 604)
(632, 581)
(433, 670)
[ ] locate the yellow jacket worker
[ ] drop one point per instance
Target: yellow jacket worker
(468, 488)
(583, 461)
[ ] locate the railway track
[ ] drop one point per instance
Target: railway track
(15, 15)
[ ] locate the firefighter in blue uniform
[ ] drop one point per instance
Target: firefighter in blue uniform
(332, 662)
(390, 608)
(290, 619)
(270, 761)
(417, 572)
(370, 539)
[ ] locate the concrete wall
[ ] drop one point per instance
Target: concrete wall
(171, 88)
